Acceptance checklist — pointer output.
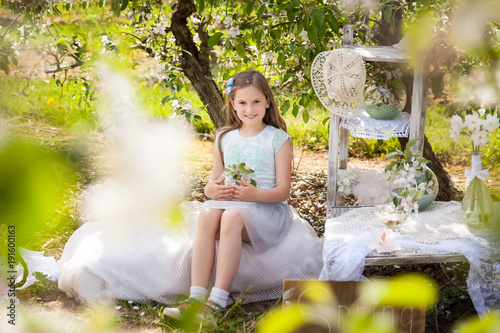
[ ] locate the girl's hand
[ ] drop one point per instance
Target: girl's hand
(245, 192)
(217, 191)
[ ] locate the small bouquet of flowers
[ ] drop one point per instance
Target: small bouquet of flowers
(476, 126)
(238, 172)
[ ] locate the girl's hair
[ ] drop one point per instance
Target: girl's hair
(256, 79)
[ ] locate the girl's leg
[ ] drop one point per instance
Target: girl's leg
(232, 234)
(204, 246)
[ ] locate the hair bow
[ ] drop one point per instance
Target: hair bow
(229, 86)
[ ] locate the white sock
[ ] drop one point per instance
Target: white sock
(219, 296)
(198, 293)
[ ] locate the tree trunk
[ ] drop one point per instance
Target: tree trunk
(447, 189)
(195, 63)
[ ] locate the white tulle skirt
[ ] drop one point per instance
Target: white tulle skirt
(152, 261)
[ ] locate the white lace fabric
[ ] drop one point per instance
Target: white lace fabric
(439, 229)
(364, 126)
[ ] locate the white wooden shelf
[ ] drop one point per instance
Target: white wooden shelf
(339, 137)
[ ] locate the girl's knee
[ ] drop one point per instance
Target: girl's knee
(209, 219)
(231, 221)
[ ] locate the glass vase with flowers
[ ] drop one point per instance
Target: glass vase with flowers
(413, 186)
(385, 93)
(477, 204)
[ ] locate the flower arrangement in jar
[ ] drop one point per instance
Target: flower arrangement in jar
(385, 94)
(477, 204)
(413, 186)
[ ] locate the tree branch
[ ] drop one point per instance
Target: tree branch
(9, 26)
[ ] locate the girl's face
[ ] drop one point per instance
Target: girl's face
(250, 104)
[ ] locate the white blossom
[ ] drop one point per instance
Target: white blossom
(455, 134)
(472, 121)
(479, 138)
(491, 122)
(233, 32)
(300, 77)
(228, 21)
(303, 35)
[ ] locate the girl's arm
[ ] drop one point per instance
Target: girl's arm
(283, 163)
(215, 189)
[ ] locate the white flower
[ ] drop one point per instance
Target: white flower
(118, 307)
(382, 242)
(480, 138)
(300, 77)
(233, 32)
(455, 133)
(456, 123)
(228, 21)
(481, 111)
(176, 104)
(104, 39)
(473, 122)
(135, 307)
(159, 29)
(303, 35)
(491, 122)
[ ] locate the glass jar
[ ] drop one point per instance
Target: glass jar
(422, 182)
(383, 103)
(477, 204)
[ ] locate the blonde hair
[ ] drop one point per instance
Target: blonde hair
(256, 79)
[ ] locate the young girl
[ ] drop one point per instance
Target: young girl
(255, 135)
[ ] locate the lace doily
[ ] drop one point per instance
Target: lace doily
(338, 78)
(364, 126)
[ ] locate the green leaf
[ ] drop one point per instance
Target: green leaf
(261, 10)
(214, 39)
(229, 46)
(391, 165)
(312, 33)
(165, 100)
(249, 7)
(285, 106)
(295, 111)
(333, 23)
(201, 5)
(241, 51)
(284, 320)
(410, 144)
(290, 15)
(387, 15)
(281, 59)
(397, 83)
(318, 17)
(437, 85)
(124, 5)
(305, 116)
(394, 154)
